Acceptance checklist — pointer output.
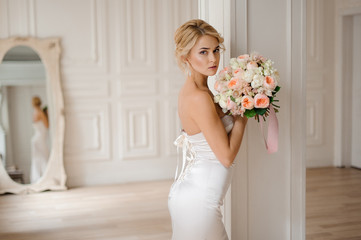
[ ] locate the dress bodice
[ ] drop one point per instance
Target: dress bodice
(39, 127)
(195, 147)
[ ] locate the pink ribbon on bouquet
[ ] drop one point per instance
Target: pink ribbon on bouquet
(272, 135)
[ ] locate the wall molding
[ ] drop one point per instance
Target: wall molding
(92, 141)
(138, 119)
(315, 115)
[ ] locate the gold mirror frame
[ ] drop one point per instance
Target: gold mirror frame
(54, 177)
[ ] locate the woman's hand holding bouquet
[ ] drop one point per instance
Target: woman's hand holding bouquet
(248, 87)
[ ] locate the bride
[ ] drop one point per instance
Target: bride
(39, 144)
(210, 139)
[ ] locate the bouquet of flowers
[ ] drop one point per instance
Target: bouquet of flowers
(248, 86)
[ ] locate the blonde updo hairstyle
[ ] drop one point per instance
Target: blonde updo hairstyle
(36, 101)
(186, 37)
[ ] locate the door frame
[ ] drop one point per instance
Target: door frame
(343, 84)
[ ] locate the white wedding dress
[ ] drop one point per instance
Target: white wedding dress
(197, 194)
(39, 151)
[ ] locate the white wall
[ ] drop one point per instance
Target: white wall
(119, 78)
(356, 96)
(320, 82)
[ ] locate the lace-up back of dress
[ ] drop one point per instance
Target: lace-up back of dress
(196, 147)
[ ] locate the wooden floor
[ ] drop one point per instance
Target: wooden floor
(333, 204)
(138, 211)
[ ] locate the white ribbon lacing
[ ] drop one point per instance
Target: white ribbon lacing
(188, 156)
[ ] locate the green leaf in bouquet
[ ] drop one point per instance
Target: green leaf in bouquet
(277, 89)
(249, 113)
(260, 111)
(233, 99)
(275, 105)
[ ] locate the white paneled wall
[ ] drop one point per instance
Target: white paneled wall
(119, 78)
(268, 190)
(320, 82)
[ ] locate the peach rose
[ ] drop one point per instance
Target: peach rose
(233, 83)
(269, 83)
(217, 86)
(252, 65)
(223, 72)
(231, 104)
(261, 101)
(238, 73)
(247, 102)
(244, 56)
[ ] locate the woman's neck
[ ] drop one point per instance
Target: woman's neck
(199, 80)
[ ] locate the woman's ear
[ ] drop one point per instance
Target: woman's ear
(184, 59)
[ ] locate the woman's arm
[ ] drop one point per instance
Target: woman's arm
(36, 116)
(225, 146)
(45, 120)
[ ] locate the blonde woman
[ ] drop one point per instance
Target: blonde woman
(210, 139)
(39, 141)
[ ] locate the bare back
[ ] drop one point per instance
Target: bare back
(187, 109)
(40, 116)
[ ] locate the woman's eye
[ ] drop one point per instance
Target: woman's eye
(216, 51)
(203, 52)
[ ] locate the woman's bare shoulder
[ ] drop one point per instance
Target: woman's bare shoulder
(199, 104)
(196, 96)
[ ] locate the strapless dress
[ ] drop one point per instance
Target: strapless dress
(198, 191)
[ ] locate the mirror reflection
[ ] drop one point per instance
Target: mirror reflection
(24, 122)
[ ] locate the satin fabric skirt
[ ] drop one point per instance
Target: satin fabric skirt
(195, 199)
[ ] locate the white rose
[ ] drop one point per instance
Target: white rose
(217, 98)
(223, 103)
(258, 70)
(257, 81)
(267, 72)
(242, 64)
(268, 92)
(268, 63)
(248, 76)
(228, 77)
(241, 60)
(234, 64)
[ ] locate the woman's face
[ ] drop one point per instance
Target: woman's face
(204, 56)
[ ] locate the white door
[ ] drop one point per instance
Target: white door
(356, 96)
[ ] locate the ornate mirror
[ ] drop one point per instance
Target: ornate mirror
(31, 116)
